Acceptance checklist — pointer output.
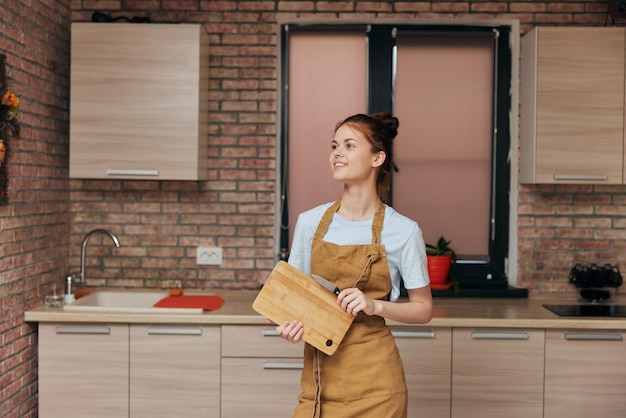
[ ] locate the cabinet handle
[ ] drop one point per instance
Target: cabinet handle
(121, 172)
(580, 336)
(82, 330)
(499, 335)
(590, 177)
(413, 334)
(274, 365)
(270, 333)
(174, 331)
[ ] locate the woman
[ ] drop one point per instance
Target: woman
(365, 248)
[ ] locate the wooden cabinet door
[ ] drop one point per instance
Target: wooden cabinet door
(260, 387)
(572, 105)
(260, 372)
(174, 371)
(426, 357)
(497, 373)
(139, 101)
(585, 374)
(83, 370)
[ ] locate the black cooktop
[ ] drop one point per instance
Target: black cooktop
(588, 310)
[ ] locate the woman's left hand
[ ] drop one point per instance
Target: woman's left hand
(353, 301)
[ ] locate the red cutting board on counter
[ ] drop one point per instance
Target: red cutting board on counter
(290, 294)
(205, 302)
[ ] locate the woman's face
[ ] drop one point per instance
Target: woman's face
(352, 159)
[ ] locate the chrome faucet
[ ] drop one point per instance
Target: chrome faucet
(84, 245)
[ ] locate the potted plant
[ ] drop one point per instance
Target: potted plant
(441, 257)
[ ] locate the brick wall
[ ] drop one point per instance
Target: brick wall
(561, 225)
(160, 223)
(34, 226)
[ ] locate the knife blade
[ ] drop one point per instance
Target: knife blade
(328, 285)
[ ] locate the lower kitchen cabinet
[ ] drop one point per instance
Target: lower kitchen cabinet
(232, 371)
(83, 370)
(497, 373)
(260, 372)
(585, 374)
(426, 357)
(174, 371)
(128, 370)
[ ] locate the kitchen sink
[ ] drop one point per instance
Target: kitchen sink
(125, 300)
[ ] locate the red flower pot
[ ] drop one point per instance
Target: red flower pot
(439, 268)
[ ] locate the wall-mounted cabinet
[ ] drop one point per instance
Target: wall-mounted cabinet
(572, 105)
(138, 101)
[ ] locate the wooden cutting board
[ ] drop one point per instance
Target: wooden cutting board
(290, 294)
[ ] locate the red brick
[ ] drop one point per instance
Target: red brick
(293, 6)
(450, 7)
(529, 6)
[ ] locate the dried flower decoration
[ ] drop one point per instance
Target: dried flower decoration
(9, 127)
(10, 103)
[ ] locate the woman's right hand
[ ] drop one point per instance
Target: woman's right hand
(291, 331)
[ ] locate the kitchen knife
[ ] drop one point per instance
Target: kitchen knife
(328, 285)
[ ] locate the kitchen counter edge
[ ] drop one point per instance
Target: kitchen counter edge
(447, 312)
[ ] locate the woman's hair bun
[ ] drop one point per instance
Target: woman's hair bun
(388, 119)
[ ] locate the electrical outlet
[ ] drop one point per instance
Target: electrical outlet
(208, 255)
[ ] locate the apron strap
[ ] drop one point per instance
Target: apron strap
(326, 220)
(377, 223)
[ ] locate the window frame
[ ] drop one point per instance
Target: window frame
(492, 272)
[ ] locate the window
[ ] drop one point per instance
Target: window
(449, 87)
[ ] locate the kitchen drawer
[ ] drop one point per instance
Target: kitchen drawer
(256, 341)
(260, 387)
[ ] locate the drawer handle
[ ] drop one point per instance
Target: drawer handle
(499, 335)
(413, 334)
(82, 330)
(275, 365)
(121, 172)
(270, 333)
(590, 177)
(578, 336)
(174, 331)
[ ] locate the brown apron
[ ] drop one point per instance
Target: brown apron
(364, 377)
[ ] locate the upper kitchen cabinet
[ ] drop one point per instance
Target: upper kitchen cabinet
(139, 101)
(572, 105)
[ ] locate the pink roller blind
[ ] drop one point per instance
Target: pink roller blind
(444, 101)
(327, 83)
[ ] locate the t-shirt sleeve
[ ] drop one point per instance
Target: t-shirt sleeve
(413, 261)
(300, 253)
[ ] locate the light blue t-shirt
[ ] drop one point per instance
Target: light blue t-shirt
(401, 236)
